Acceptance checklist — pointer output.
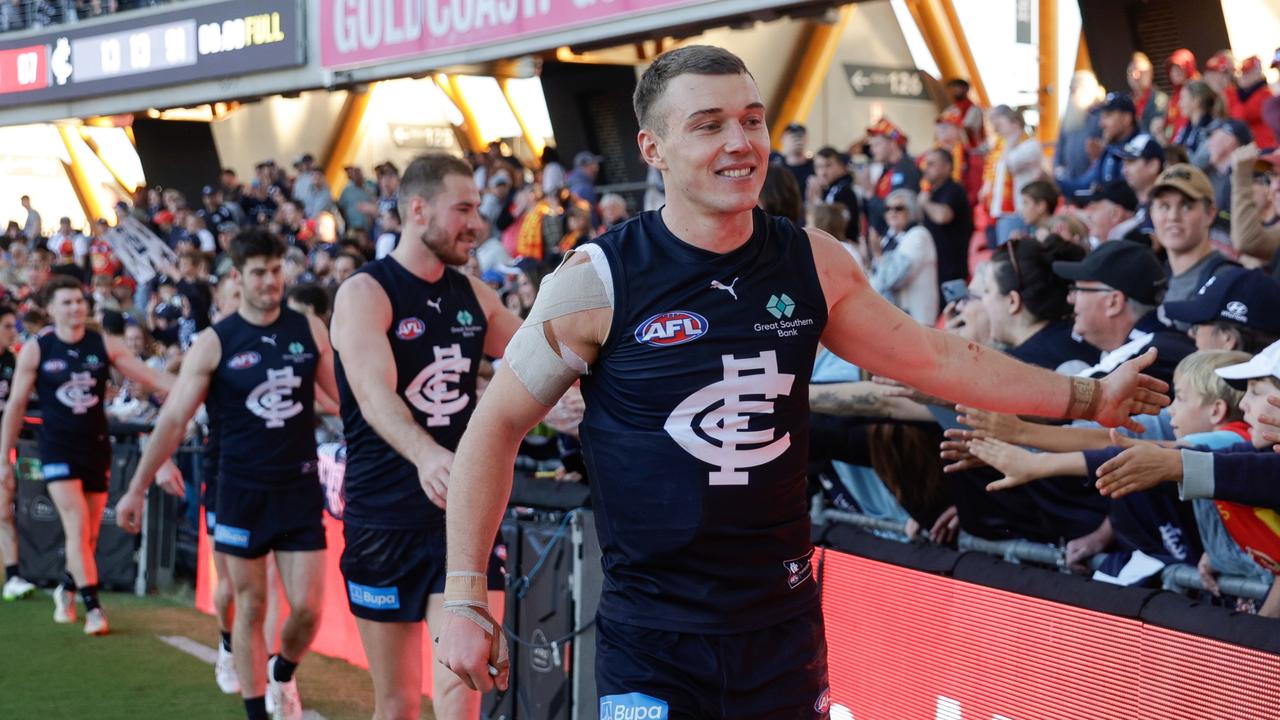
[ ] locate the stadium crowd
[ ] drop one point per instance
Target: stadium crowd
(1156, 224)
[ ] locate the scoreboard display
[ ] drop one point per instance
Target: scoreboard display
(236, 37)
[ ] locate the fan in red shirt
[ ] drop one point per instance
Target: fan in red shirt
(1220, 73)
(1253, 94)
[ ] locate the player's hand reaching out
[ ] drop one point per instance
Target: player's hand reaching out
(1127, 392)
(169, 479)
(129, 511)
(433, 464)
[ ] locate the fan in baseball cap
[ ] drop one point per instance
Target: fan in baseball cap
(1128, 267)
(1244, 297)
(1142, 146)
(1265, 364)
(1186, 179)
(1117, 191)
(1120, 102)
(1237, 128)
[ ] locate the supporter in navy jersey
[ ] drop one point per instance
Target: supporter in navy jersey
(69, 368)
(693, 331)
(260, 369)
(409, 333)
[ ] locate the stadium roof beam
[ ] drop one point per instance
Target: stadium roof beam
(810, 71)
(536, 144)
(347, 135)
(1047, 128)
(449, 85)
(940, 27)
(106, 162)
(76, 175)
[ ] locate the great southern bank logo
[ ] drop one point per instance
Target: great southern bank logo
(671, 328)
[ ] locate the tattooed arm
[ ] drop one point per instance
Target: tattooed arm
(864, 399)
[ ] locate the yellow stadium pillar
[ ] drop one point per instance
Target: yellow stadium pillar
(470, 128)
(536, 144)
(106, 163)
(811, 72)
(346, 140)
(79, 180)
(1083, 61)
(1049, 91)
(940, 27)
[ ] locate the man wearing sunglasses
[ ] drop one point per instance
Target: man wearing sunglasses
(1114, 292)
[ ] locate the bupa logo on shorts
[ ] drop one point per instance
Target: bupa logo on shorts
(55, 471)
(244, 360)
(410, 328)
(231, 536)
(671, 328)
(632, 706)
(54, 365)
(374, 598)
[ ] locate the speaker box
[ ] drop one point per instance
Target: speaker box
(40, 538)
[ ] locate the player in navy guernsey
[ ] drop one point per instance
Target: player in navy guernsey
(409, 333)
(15, 586)
(258, 372)
(69, 368)
(694, 331)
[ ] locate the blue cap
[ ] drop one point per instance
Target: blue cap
(1141, 146)
(1245, 297)
(1117, 191)
(1119, 101)
(493, 277)
(1238, 129)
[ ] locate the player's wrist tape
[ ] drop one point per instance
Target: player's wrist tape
(479, 614)
(1086, 395)
(466, 588)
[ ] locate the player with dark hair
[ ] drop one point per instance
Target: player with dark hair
(69, 368)
(693, 331)
(259, 370)
(409, 332)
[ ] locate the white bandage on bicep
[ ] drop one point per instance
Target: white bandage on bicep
(546, 371)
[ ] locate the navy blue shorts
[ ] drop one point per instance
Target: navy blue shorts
(252, 522)
(777, 673)
(94, 477)
(391, 573)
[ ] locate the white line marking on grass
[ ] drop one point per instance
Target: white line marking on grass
(209, 655)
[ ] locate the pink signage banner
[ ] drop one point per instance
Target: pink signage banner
(359, 32)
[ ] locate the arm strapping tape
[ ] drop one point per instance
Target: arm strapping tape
(546, 372)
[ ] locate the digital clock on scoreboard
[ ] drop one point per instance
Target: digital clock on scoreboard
(185, 45)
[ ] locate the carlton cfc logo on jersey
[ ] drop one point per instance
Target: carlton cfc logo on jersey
(671, 328)
(410, 328)
(244, 360)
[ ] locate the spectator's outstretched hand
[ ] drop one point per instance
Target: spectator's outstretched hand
(955, 451)
(1018, 465)
(1127, 392)
(946, 527)
(991, 425)
(1141, 466)
(169, 479)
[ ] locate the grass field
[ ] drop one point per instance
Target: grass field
(55, 671)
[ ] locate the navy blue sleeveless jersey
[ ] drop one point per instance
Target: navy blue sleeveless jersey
(437, 336)
(262, 397)
(7, 365)
(696, 428)
(72, 382)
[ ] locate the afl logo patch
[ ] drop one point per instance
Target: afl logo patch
(244, 360)
(410, 328)
(671, 328)
(54, 365)
(823, 703)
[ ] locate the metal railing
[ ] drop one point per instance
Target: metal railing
(37, 14)
(1177, 578)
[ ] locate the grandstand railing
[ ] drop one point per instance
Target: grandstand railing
(1178, 577)
(36, 14)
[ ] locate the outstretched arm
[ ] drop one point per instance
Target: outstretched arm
(868, 331)
(131, 367)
